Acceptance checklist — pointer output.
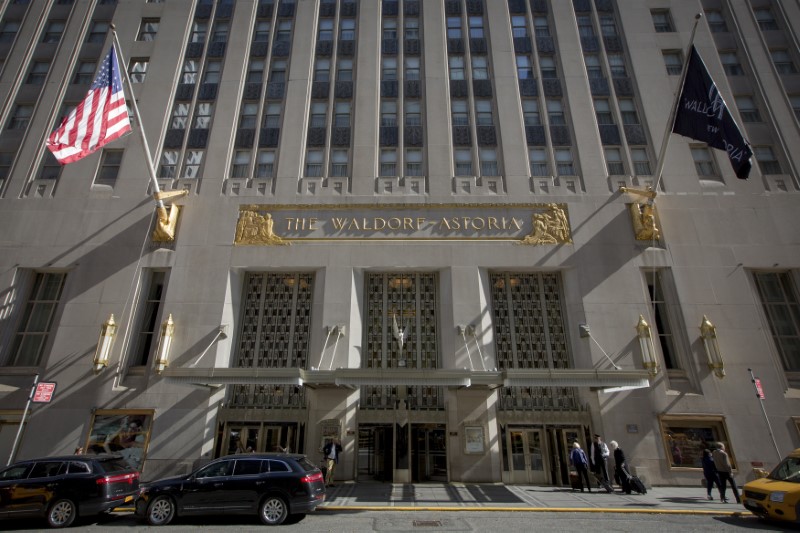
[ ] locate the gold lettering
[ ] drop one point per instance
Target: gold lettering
(493, 222)
(456, 223)
(365, 224)
(394, 223)
(380, 223)
(478, 223)
(338, 223)
(444, 224)
(353, 225)
(312, 226)
(407, 223)
(420, 222)
(289, 223)
(516, 223)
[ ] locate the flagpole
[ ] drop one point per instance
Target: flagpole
(671, 121)
(162, 210)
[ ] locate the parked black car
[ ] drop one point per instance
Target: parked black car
(63, 488)
(275, 486)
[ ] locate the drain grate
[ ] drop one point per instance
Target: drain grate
(427, 523)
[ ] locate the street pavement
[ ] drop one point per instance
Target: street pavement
(495, 496)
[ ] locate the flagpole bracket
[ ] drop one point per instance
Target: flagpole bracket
(647, 193)
(167, 217)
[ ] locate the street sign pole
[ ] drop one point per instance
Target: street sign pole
(760, 396)
(22, 422)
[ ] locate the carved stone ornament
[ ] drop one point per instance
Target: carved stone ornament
(254, 228)
(643, 217)
(550, 227)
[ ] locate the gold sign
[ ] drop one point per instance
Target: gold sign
(278, 225)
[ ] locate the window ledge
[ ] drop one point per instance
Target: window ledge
(19, 370)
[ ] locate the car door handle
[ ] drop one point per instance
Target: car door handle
(218, 484)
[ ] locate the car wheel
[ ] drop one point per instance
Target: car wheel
(62, 513)
(273, 511)
(161, 511)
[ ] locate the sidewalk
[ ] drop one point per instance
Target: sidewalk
(375, 496)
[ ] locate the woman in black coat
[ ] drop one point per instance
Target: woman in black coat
(620, 468)
(711, 475)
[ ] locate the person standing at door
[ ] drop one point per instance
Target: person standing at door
(332, 450)
(598, 453)
(723, 465)
(581, 464)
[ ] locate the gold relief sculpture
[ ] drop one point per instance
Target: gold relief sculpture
(643, 217)
(550, 227)
(166, 224)
(253, 228)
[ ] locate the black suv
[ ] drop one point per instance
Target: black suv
(278, 487)
(62, 488)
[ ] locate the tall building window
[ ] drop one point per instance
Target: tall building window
(220, 33)
(662, 21)
(84, 74)
(261, 32)
(456, 67)
(190, 70)
(731, 64)
(411, 28)
(347, 29)
(766, 21)
(169, 164)
(547, 66)
(463, 158)
(314, 164)
(614, 162)
(454, 27)
(272, 115)
(593, 69)
(608, 26)
(138, 69)
(564, 163)
(483, 113)
(641, 161)
(212, 73)
(265, 163)
(199, 30)
(390, 29)
(585, 27)
(38, 72)
(537, 158)
(716, 22)
(202, 115)
(663, 323)
(339, 163)
(673, 62)
(284, 32)
(747, 108)
(530, 113)
(255, 72)
(767, 161)
(627, 109)
(388, 162)
(704, 162)
(148, 29)
(36, 319)
(617, 65)
(389, 68)
(795, 102)
(240, 164)
(341, 117)
(53, 31)
(413, 111)
(602, 110)
(344, 70)
(488, 158)
(783, 62)
(519, 27)
(51, 168)
(325, 32)
(319, 112)
(779, 298)
(412, 68)
(109, 168)
(541, 27)
(413, 162)
(180, 116)
(6, 161)
(388, 113)
(524, 69)
(480, 68)
(21, 117)
(476, 27)
(555, 113)
(192, 162)
(322, 69)
(150, 308)
(460, 113)
(277, 73)
(97, 33)
(8, 31)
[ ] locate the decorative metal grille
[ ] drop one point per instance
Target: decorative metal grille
(530, 333)
(275, 322)
(401, 306)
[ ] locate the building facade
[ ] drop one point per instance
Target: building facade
(436, 230)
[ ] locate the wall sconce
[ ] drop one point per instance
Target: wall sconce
(649, 356)
(708, 332)
(107, 332)
(164, 344)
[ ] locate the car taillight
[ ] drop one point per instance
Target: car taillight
(120, 478)
(311, 478)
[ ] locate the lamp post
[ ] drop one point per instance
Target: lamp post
(649, 357)
(164, 344)
(708, 332)
(107, 333)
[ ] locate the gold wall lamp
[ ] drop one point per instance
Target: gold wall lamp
(164, 344)
(649, 356)
(708, 332)
(103, 353)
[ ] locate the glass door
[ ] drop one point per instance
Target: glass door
(527, 450)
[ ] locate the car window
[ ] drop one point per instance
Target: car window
(278, 466)
(306, 465)
(109, 466)
(78, 467)
(788, 470)
(16, 471)
(247, 467)
(47, 469)
(222, 468)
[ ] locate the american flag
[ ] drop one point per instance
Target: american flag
(99, 119)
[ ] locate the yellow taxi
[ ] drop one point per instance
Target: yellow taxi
(776, 496)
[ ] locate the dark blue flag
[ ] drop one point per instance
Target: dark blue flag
(703, 115)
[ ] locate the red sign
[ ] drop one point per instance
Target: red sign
(759, 390)
(44, 392)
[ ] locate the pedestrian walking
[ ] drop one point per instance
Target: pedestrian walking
(723, 465)
(332, 450)
(620, 468)
(598, 454)
(578, 458)
(710, 473)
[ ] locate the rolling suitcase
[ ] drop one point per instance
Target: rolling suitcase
(575, 480)
(637, 485)
(601, 482)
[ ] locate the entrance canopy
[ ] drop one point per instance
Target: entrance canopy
(608, 380)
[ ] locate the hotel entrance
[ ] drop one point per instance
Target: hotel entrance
(538, 454)
(428, 452)
(375, 453)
